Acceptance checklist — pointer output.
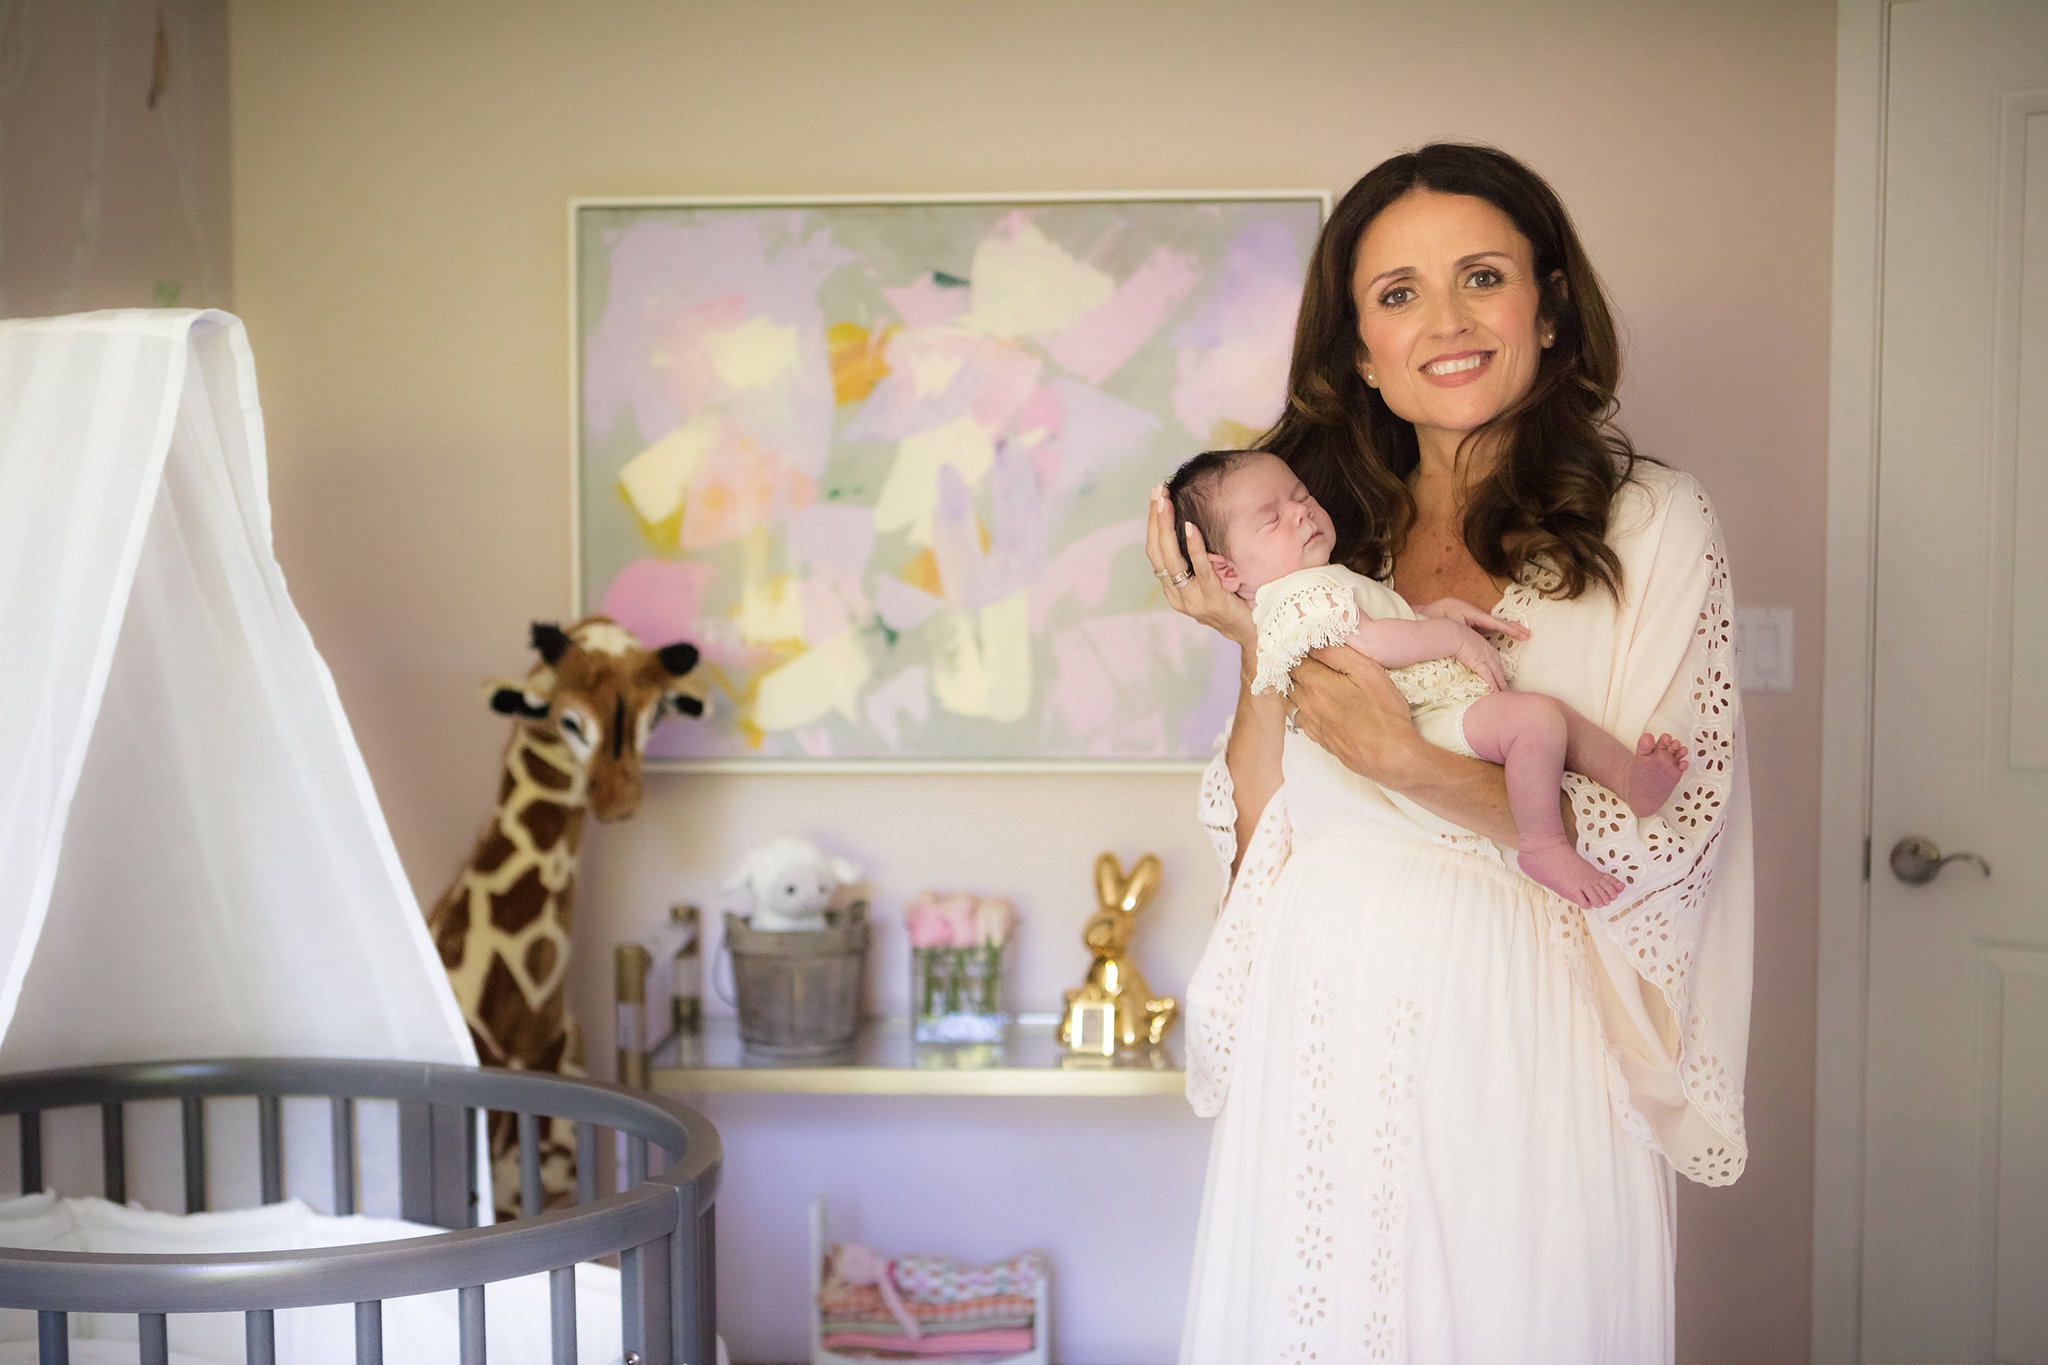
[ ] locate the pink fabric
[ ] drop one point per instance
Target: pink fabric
(995, 1341)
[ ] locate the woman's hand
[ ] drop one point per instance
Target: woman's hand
(1193, 590)
(1346, 703)
(1349, 705)
(1465, 614)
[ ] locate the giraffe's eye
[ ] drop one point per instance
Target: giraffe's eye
(578, 733)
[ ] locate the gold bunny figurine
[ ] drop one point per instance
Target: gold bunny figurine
(1114, 984)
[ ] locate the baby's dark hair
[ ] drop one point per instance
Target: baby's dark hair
(1193, 492)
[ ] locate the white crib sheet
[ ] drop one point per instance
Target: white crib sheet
(90, 1353)
(421, 1330)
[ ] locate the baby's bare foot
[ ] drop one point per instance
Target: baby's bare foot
(1569, 875)
(1659, 762)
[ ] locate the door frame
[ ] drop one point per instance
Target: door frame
(1862, 51)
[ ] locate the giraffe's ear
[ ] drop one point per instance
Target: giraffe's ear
(677, 659)
(509, 699)
(551, 640)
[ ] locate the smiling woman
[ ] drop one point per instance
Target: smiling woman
(1450, 1101)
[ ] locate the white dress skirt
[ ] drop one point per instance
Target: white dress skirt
(1449, 1105)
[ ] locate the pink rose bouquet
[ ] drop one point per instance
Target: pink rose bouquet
(956, 944)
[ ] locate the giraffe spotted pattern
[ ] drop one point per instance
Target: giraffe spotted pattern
(580, 721)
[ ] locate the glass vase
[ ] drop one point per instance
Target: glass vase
(956, 994)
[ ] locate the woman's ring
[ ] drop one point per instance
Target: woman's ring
(1162, 573)
(1183, 576)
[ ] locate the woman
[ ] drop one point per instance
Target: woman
(1449, 1102)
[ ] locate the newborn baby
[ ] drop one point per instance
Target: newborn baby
(1270, 543)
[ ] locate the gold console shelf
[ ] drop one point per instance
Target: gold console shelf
(885, 1061)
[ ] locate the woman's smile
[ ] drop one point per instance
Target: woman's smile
(1452, 370)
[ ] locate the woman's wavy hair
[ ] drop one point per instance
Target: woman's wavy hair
(1562, 459)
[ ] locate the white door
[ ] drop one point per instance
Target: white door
(1955, 1264)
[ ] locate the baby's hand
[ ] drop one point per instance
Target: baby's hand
(1476, 654)
(1465, 614)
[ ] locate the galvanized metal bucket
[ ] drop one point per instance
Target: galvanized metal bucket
(799, 992)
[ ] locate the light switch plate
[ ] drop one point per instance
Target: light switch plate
(1763, 649)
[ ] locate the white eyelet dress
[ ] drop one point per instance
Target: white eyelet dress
(1449, 1103)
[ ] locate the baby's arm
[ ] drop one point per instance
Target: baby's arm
(1394, 643)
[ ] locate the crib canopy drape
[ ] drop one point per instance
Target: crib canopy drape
(192, 859)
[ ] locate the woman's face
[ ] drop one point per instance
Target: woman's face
(1448, 311)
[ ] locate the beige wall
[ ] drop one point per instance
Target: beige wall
(105, 200)
(400, 177)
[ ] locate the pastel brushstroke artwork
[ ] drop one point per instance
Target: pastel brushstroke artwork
(887, 464)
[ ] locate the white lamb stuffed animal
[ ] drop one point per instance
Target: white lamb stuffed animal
(790, 882)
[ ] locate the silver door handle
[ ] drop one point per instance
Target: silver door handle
(1917, 861)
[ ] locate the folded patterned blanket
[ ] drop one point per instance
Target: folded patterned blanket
(928, 1307)
(995, 1343)
(842, 1302)
(941, 1279)
(891, 1327)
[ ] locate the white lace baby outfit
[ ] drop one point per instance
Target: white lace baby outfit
(1449, 1103)
(1315, 608)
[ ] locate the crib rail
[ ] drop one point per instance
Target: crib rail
(663, 1226)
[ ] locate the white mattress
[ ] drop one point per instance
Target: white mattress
(419, 1329)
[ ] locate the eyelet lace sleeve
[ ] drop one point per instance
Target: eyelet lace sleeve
(1672, 939)
(1216, 992)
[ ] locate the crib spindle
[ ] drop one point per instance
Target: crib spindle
(341, 1120)
(469, 1307)
(262, 1336)
(586, 1162)
(153, 1337)
(53, 1339)
(114, 1153)
(193, 1109)
(529, 1165)
(270, 1145)
(690, 1284)
(631, 1313)
(31, 1126)
(704, 1351)
(472, 1176)
(657, 1343)
(636, 1162)
(370, 1332)
(562, 1314)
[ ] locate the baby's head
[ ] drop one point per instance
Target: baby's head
(1257, 520)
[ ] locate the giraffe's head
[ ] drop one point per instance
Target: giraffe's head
(598, 693)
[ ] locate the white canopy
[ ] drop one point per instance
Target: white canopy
(192, 859)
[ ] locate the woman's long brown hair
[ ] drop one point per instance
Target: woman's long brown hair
(1562, 460)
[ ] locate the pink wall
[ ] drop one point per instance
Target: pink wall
(105, 201)
(400, 178)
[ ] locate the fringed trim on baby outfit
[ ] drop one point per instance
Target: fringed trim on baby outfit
(1314, 615)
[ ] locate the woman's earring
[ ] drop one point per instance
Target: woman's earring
(1371, 380)
(1548, 338)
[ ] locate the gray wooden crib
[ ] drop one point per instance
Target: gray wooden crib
(661, 1225)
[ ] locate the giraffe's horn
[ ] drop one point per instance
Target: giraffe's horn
(677, 659)
(550, 639)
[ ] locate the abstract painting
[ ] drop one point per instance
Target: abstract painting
(887, 463)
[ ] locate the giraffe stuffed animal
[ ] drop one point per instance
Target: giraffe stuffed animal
(581, 719)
